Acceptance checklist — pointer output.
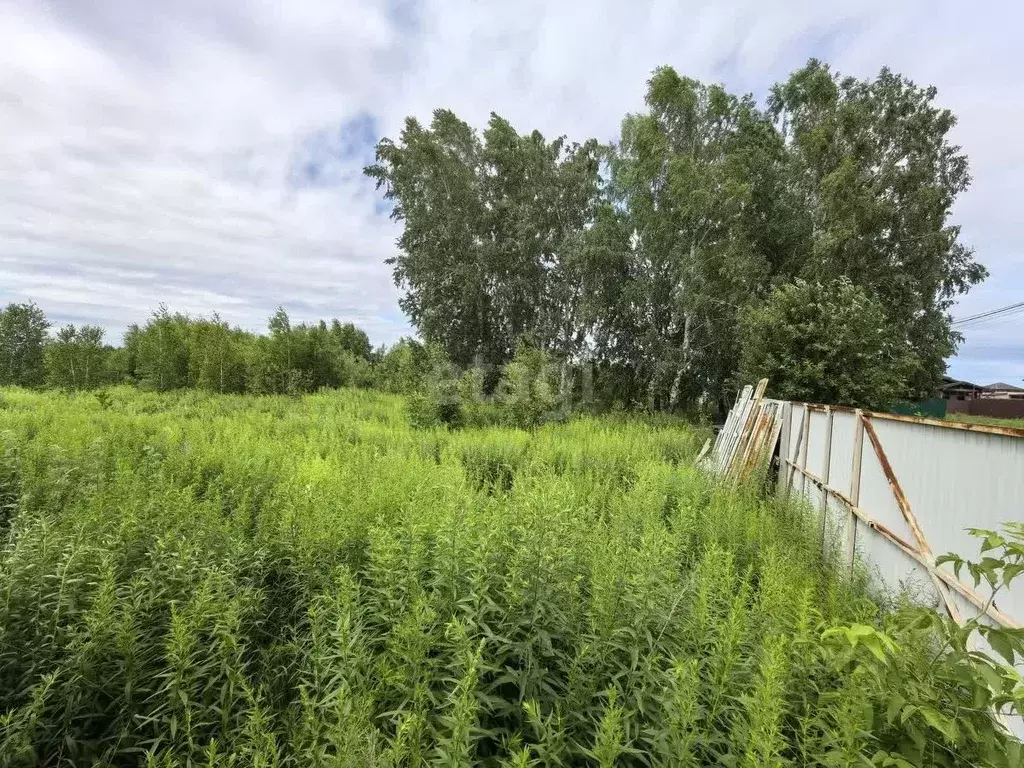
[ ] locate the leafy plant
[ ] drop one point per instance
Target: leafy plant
(825, 343)
(280, 581)
(973, 660)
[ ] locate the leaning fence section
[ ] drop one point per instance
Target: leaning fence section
(892, 492)
(749, 435)
(897, 491)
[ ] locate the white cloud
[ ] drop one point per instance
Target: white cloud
(148, 152)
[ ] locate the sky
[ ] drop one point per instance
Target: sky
(208, 153)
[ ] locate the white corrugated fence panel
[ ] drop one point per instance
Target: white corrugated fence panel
(841, 465)
(816, 443)
(956, 479)
(795, 426)
(951, 478)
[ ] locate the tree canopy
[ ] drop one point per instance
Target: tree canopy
(491, 226)
(172, 350)
(824, 343)
(658, 256)
(23, 329)
(807, 237)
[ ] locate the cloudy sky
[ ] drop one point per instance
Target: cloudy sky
(207, 153)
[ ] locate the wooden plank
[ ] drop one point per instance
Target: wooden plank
(964, 590)
(894, 485)
(731, 429)
(762, 425)
(804, 415)
(739, 425)
(776, 433)
(944, 424)
(748, 427)
(989, 429)
(908, 515)
(704, 450)
(785, 430)
(730, 419)
(755, 427)
(807, 440)
(819, 483)
(826, 471)
(764, 439)
(855, 473)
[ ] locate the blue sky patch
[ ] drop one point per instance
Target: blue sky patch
(333, 156)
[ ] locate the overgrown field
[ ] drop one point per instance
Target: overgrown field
(191, 579)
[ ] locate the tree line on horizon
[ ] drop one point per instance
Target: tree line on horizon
(719, 240)
(173, 351)
(176, 351)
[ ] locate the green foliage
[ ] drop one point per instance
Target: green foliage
(490, 224)
(641, 266)
(76, 358)
(526, 396)
(216, 356)
(177, 351)
(476, 410)
(191, 578)
(829, 343)
(528, 391)
(693, 181)
(159, 350)
(438, 399)
(973, 661)
(22, 338)
(642, 256)
(873, 166)
(403, 367)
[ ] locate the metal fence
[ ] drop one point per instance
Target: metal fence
(900, 490)
(893, 492)
(896, 491)
(992, 407)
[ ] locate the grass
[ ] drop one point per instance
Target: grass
(197, 580)
(987, 420)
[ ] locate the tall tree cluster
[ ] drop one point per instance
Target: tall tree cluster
(76, 358)
(671, 257)
(493, 225)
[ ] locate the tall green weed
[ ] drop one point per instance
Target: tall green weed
(188, 579)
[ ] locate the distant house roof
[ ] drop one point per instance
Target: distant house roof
(1002, 386)
(948, 382)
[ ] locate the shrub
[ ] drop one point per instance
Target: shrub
(825, 343)
(403, 367)
(528, 391)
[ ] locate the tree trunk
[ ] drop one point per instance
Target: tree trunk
(684, 369)
(565, 385)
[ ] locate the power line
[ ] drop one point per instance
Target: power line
(992, 318)
(988, 313)
(1007, 311)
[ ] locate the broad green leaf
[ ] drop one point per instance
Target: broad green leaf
(1001, 644)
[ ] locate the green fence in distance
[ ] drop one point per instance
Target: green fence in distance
(932, 408)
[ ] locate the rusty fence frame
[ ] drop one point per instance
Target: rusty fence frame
(756, 426)
(794, 466)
